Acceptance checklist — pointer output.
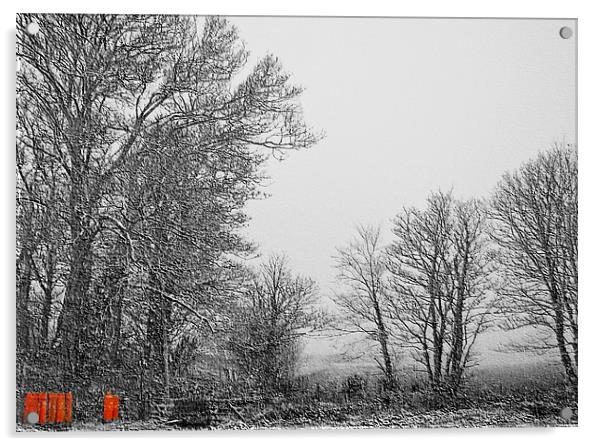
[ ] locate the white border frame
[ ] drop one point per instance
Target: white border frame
(589, 104)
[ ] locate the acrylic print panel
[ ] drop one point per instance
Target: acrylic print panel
(295, 222)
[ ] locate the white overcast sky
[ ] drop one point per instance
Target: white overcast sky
(408, 106)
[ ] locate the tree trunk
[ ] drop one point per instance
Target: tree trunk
(74, 320)
(458, 340)
(564, 354)
(48, 298)
(158, 337)
(24, 329)
(384, 346)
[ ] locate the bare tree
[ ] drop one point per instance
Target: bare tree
(137, 151)
(439, 272)
(277, 311)
(534, 211)
(471, 269)
(361, 268)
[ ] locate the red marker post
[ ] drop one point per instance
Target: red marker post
(31, 406)
(52, 407)
(110, 408)
(68, 407)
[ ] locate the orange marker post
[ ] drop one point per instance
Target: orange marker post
(46, 408)
(110, 408)
(107, 412)
(52, 400)
(115, 413)
(68, 407)
(30, 404)
(42, 407)
(60, 408)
